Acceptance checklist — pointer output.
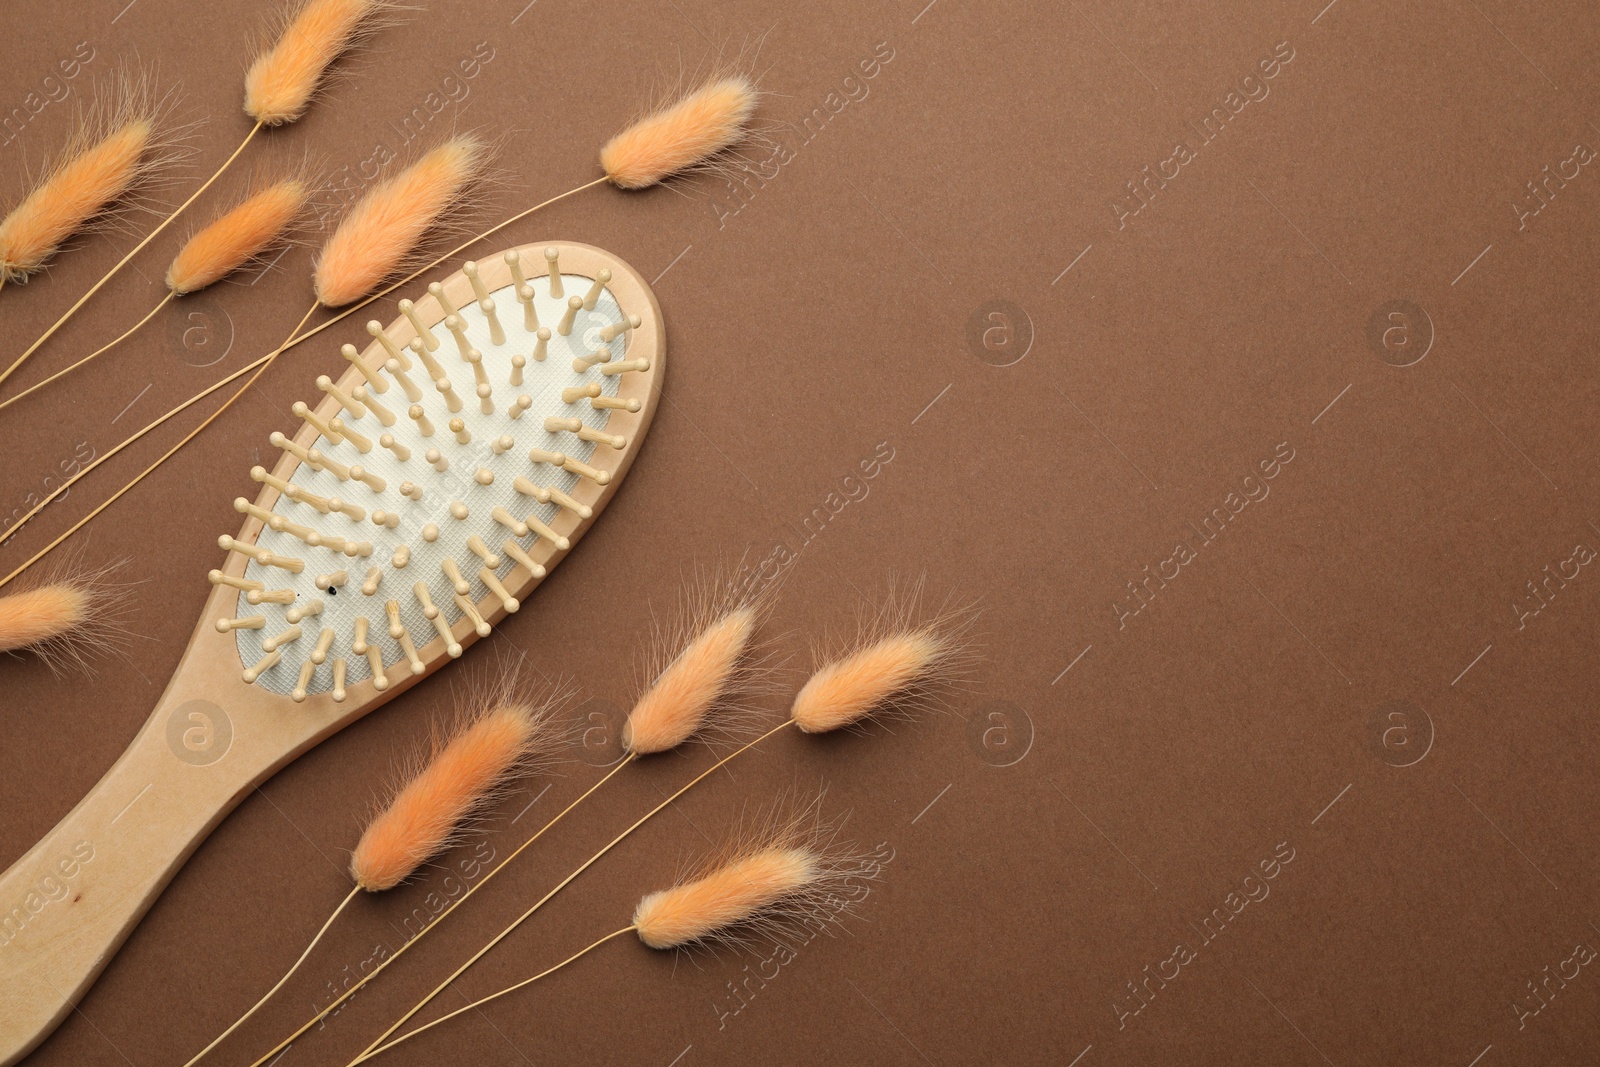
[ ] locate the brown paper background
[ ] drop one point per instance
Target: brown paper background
(1161, 762)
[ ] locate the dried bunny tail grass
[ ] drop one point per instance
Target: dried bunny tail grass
(461, 777)
(240, 236)
(499, 692)
(283, 80)
(703, 667)
(385, 226)
(786, 876)
(676, 705)
(122, 143)
(900, 662)
(731, 894)
(70, 618)
(781, 871)
(502, 681)
(685, 133)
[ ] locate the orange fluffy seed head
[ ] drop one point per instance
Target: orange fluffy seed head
(282, 80)
(681, 135)
(848, 690)
(427, 811)
(81, 187)
(732, 894)
(237, 237)
(68, 619)
(385, 226)
(40, 615)
(676, 705)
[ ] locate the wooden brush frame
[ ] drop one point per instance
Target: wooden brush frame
(69, 903)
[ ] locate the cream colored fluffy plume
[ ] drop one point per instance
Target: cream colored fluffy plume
(119, 148)
(687, 132)
(240, 236)
(703, 665)
(386, 225)
(780, 870)
(281, 83)
(767, 884)
(69, 619)
(509, 736)
(898, 662)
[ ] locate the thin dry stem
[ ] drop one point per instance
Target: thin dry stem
(96, 354)
(387, 960)
(103, 457)
(365, 1056)
(262, 365)
(198, 1056)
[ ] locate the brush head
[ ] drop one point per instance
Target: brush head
(282, 81)
(681, 135)
(239, 236)
(387, 224)
(394, 532)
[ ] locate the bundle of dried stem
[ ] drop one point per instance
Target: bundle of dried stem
(508, 736)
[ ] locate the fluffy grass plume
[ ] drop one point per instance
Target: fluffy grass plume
(117, 147)
(462, 775)
(68, 619)
(681, 135)
(282, 81)
(732, 893)
(896, 661)
(780, 868)
(673, 708)
(701, 664)
(385, 227)
(238, 237)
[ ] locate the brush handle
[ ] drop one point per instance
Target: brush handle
(70, 902)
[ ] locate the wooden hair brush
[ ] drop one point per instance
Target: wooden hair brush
(453, 463)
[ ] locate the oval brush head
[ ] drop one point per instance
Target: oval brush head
(453, 464)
